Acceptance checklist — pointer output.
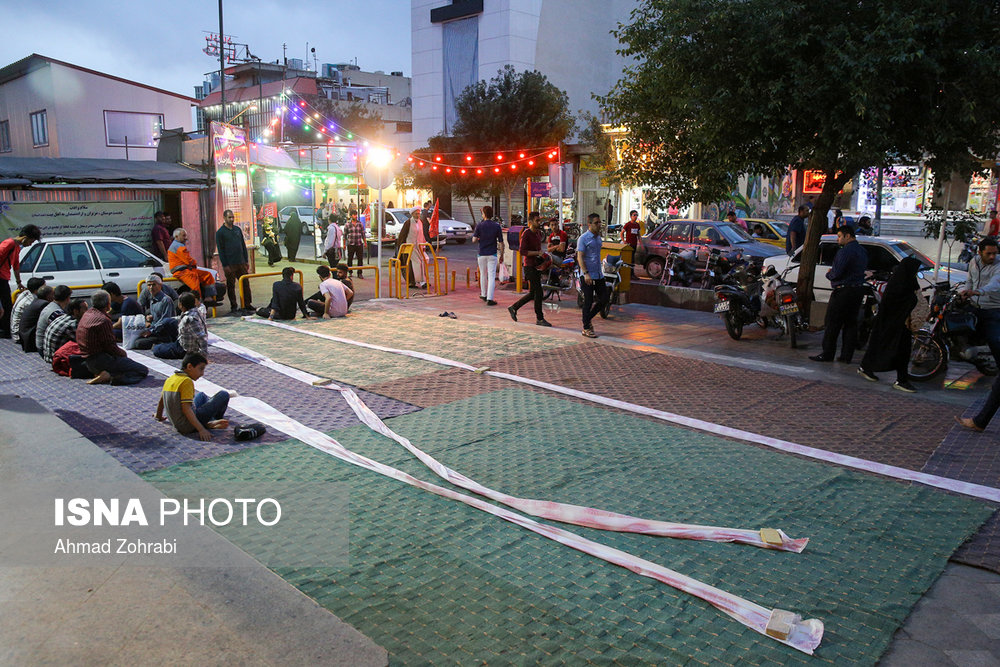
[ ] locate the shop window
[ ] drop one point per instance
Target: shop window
(137, 129)
(5, 136)
(39, 129)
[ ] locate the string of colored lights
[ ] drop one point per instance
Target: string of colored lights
(300, 110)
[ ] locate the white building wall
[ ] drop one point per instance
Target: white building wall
(20, 98)
(75, 102)
(567, 40)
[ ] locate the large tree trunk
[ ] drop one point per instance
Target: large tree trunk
(817, 227)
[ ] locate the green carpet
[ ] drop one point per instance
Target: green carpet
(435, 581)
(474, 344)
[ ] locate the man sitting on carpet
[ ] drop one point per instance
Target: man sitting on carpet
(187, 410)
(333, 293)
(192, 331)
(62, 329)
(286, 296)
(103, 357)
(24, 299)
(28, 326)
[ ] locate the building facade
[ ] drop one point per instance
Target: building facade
(456, 44)
(50, 108)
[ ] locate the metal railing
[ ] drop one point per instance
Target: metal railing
(240, 284)
(397, 278)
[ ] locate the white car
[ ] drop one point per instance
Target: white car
(883, 256)
(77, 261)
(307, 214)
(449, 229)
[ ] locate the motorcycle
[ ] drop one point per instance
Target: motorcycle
(718, 266)
(768, 300)
(561, 277)
(679, 269)
(970, 250)
(949, 333)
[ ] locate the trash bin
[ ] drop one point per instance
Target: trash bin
(625, 251)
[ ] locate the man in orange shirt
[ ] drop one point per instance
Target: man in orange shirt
(993, 226)
(185, 269)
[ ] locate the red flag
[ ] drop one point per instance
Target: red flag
(434, 220)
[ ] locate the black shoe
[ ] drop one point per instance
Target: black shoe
(491, 302)
(543, 323)
(845, 360)
(513, 313)
(820, 357)
(482, 298)
(904, 386)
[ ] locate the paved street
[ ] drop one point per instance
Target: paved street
(897, 541)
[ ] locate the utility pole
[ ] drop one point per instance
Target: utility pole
(222, 64)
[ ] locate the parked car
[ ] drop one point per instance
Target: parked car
(449, 229)
(91, 260)
(307, 214)
(883, 256)
(703, 235)
(775, 231)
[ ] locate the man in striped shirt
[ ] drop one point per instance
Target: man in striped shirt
(62, 329)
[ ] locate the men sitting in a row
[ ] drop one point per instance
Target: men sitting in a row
(28, 326)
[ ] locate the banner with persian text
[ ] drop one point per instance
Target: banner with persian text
(230, 152)
(129, 220)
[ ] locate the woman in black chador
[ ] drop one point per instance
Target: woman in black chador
(890, 342)
(293, 234)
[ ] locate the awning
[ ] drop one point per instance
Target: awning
(120, 173)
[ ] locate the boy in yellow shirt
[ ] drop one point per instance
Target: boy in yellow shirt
(187, 410)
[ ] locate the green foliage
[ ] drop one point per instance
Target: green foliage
(718, 88)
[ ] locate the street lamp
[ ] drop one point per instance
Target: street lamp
(379, 173)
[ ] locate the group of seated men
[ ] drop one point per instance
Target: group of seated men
(333, 299)
(82, 341)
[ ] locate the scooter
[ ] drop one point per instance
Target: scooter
(561, 277)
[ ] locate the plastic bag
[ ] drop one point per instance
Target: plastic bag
(132, 327)
(503, 273)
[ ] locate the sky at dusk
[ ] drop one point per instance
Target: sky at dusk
(160, 43)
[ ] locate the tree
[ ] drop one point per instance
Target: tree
(718, 89)
(513, 110)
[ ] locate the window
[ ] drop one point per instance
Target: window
(678, 232)
(879, 258)
(137, 129)
(65, 257)
(827, 251)
(39, 129)
(28, 260)
(5, 136)
(707, 234)
(116, 255)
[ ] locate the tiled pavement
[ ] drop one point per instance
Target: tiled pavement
(678, 384)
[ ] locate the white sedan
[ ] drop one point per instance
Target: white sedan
(450, 230)
(77, 261)
(883, 256)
